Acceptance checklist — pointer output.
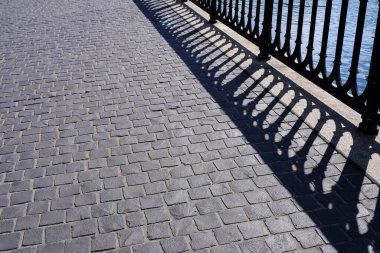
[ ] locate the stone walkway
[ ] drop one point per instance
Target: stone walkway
(123, 129)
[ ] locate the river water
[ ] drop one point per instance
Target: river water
(350, 31)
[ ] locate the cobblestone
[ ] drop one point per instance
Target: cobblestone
(124, 129)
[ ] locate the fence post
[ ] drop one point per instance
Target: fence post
(265, 38)
(370, 114)
(213, 12)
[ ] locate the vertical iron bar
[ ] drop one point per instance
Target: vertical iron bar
(249, 21)
(219, 8)
(277, 39)
(224, 9)
(288, 33)
(370, 115)
(213, 12)
(265, 39)
(242, 18)
(321, 68)
(236, 16)
(229, 16)
(335, 73)
(308, 61)
(297, 49)
(256, 30)
(352, 78)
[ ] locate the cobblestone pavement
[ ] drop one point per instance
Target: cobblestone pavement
(123, 129)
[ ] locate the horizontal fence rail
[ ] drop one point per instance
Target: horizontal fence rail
(311, 37)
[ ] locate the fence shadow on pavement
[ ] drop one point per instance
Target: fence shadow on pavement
(335, 194)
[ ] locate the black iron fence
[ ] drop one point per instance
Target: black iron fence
(263, 22)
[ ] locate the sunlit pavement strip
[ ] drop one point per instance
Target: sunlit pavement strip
(124, 129)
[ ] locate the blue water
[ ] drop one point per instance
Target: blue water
(350, 31)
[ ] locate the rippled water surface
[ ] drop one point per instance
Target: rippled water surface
(350, 31)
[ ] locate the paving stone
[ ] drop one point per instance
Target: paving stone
(220, 189)
(244, 185)
(302, 220)
(129, 205)
(57, 233)
(281, 242)
(111, 223)
(278, 192)
(78, 213)
(133, 192)
(85, 199)
(207, 221)
(257, 196)
(92, 186)
(104, 242)
(227, 235)
(159, 175)
(255, 245)
(257, 211)
(199, 193)
(202, 240)
(78, 245)
(177, 184)
(6, 226)
(150, 247)
(102, 209)
(157, 215)
(182, 210)
(209, 206)
(83, 228)
(62, 203)
(151, 201)
(130, 236)
(253, 229)
(38, 207)
(69, 190)
(234, 215)
(175, 244)
(27, 222)
(282, 207)
(51, 218)
(199, 180)
(158, 231)
(21, 197)
(176, 197)
(181, 172)
(308, 238)
(154, 188)
(135, 219)
(9, 241)
(111, 195)
(279, 224)
(184, 226)
(32, 237)
(53, 247)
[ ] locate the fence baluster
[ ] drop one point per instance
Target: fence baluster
(277, 38)
(352, 78)
(335, 73)
(288, 34)
(370, 116)
(265, 39)
(297, 50)
(308, 61)
(213, 12)
(256, 30)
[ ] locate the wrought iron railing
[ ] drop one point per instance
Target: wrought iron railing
(254, 19)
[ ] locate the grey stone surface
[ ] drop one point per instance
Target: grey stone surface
(175, 244)
(124, 129)
(104, 242)
(131, 236)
